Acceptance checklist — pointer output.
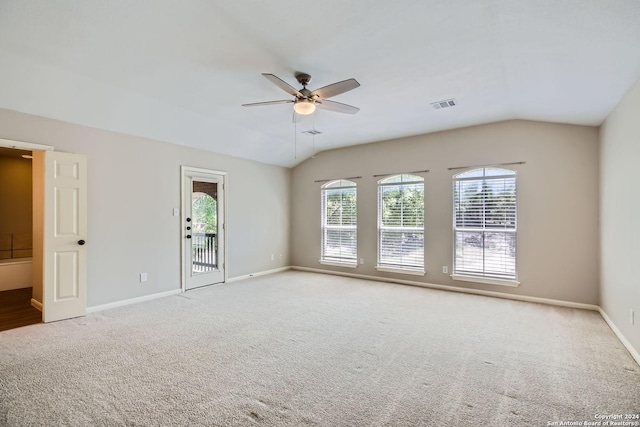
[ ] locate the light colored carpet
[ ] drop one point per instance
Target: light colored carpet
(303, 349)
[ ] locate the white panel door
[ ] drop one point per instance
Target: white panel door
(203, 231)
(65, 231)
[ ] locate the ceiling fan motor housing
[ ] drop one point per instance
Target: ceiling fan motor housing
(306, 93)
(303, 78)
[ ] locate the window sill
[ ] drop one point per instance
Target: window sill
(486, 280)
(401, 270)
(338, 264)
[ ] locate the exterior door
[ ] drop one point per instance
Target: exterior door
(203, 228)
(64, 230)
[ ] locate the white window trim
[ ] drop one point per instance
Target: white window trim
(345, 263)
(339, 264)
(486, 280)
(483, 279)
(386, 267)
(414, 272)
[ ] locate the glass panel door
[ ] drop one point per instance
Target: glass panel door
(202, 228)
(204, 210)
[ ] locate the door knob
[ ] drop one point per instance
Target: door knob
(188, 219)
(81, 242)
(188, 236)
(188, 228)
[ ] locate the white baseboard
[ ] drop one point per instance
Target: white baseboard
(560, 303)
(260, 273)
(143, 298)
(634, 353)
(36, 304)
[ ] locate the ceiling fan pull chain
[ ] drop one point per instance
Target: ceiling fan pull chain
(295, 136)
(313, 140)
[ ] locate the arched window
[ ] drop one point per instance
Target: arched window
(339, 223)
(401, 224)
(485, 224)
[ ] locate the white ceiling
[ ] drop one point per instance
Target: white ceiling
(178, 71)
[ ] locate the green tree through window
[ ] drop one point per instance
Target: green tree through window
(205, 213)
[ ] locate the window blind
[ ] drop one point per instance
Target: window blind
(401, 222)
(339, 222)
(485, 223)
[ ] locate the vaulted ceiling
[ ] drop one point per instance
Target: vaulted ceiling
(178, 71)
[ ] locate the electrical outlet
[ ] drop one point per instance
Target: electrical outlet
(361, 261)
(631, 316)
(280, 256)
(445, 269)
(272, 257)
(143, 277)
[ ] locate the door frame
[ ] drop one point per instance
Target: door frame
(21, 145)
(184, 268)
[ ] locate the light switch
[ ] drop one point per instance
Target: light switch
(176, 212)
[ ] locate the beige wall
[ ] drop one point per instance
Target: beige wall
(15, 195)
(16, 220)
(557, 189)
(620, 211)
(133, 186)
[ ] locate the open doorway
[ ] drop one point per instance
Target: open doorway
(16, 240)
(59, 229)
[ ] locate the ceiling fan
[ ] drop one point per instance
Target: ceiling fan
(306, 101)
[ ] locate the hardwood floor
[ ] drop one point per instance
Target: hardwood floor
(16, 309)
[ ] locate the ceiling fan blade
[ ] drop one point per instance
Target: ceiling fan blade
(282, 85)
(338, 107)
(335, 89)
(258, 104)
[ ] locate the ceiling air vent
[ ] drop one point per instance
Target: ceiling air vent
(312, 132)
(444, 104)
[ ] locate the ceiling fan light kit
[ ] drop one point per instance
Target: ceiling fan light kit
(304, 107)
(306, 101)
